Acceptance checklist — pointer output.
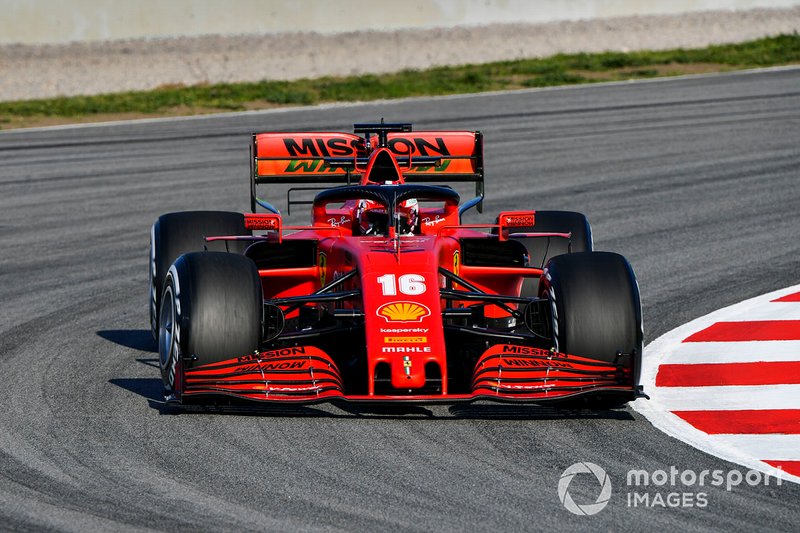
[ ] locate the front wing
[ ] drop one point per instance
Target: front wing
(505, 373)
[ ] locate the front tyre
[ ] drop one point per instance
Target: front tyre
(596, 309)
(211, 311)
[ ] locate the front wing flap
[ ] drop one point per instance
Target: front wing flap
(301, 373)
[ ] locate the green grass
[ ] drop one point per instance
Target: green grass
(560, 69)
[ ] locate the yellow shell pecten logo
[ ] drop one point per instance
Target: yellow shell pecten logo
(403, 312)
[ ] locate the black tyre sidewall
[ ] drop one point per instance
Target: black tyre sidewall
(220, 304)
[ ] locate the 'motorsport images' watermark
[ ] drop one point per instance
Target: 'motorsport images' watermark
(588, 508)
(670, 487)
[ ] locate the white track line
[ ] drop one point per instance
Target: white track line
(775, 311)
(781, 447)
(735, 352)
(729, 397)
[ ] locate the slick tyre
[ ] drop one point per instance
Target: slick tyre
(211, 311)
(541, 250)
(175, 234)
(596, 310)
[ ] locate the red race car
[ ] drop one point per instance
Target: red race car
(385, 296)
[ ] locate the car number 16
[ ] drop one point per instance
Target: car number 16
(409, 284)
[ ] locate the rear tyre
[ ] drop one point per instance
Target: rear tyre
(594, 299)
(541, 250)
(211, 311)
(175, 234)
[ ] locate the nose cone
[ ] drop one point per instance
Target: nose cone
(403, 322)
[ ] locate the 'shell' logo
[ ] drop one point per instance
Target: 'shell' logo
(403, 312)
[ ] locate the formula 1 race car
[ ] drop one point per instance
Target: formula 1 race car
(386, 296)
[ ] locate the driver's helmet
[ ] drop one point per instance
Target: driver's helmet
(374, 220)
(407, 214)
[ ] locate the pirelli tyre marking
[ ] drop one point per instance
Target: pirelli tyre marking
(153, 296)
(170, 329)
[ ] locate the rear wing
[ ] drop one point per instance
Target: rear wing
(302, 158)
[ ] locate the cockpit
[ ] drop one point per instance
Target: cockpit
(383, 210)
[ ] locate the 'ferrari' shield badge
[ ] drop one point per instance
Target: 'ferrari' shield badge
(323, 267)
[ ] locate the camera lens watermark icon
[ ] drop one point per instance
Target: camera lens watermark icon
(589, 508)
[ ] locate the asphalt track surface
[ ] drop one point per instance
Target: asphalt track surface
(694, 180)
